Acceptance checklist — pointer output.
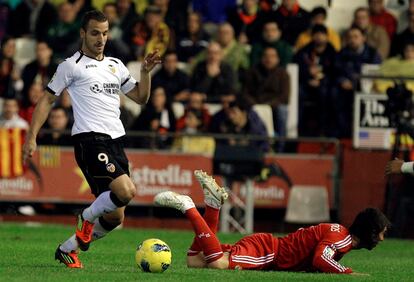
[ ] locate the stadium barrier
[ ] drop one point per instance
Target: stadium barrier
(56, 178)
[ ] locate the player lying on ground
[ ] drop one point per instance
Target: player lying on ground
(316, 248)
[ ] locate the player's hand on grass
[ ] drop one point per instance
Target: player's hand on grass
(29, 148)
(150, 61)
(393, 167)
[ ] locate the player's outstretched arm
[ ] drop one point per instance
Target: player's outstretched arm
(323, 260)
(141, 93)
(40, 115)
(398, 166)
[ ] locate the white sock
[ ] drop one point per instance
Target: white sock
(98, 230)
(70, 245)
(102, 205)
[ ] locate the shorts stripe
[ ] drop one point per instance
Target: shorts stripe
(253, 262)
(255, 258)
(213, 255)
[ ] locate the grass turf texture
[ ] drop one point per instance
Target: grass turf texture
(27, 254)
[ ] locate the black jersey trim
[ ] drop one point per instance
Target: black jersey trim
(80, 57)
(50, 90)
(114, 61)
(122, 84)
(103, 56)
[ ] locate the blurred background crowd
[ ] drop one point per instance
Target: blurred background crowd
(221, 58)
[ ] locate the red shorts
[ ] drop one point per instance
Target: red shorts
(254, 252)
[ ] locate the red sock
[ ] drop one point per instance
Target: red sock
(211, 216)
(205, 237)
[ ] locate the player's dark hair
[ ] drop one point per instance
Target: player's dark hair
(367, 226)
(92, 15)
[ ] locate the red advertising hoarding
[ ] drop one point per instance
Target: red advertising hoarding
(58, 178)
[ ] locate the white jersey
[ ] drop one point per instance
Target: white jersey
(94, 88)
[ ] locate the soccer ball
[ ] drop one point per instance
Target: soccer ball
(153, 255)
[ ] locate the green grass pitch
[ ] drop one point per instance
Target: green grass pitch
(27, 254)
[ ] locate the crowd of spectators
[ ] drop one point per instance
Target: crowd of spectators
(233, 53)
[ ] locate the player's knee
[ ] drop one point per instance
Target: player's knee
(126, 193)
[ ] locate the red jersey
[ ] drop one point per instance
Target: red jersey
(316, 248)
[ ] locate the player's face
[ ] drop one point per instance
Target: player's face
(95, 37)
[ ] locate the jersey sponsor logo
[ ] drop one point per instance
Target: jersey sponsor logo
(111, 88)
(91, 66)
(110, 167)
(96, 87)
(106, 88)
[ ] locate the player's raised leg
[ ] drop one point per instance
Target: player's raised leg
(210, 244)
(214, 197)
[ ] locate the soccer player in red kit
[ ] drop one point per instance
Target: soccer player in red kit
(313, 249)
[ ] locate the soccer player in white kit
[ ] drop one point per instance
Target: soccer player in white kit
(94, 83)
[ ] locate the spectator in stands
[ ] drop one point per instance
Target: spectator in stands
(58, 122)
(401, 39)
(242, 120)
(318, 17)
(175, 82)
(193, 40)
(404, 17)
(401, 65)
(247, 20)
(380, 16)
(150, 33)
(271, 37)
(348, 68)
(225, 101)
(213, 12)
(268, 83)
(36, 92)
(196, 102)
(32, 18)
(292, 20)
(65, 102)
(235, 54)
(5, 13)
(63, 37)
(212, 76)
(40, 70)
(174, 13)
(115, 46)
(127, 17)
(10, 115)
(193, 124)
(9, 74)
(81, 7)
(376, 36)
(316, 63)
(157, 117)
